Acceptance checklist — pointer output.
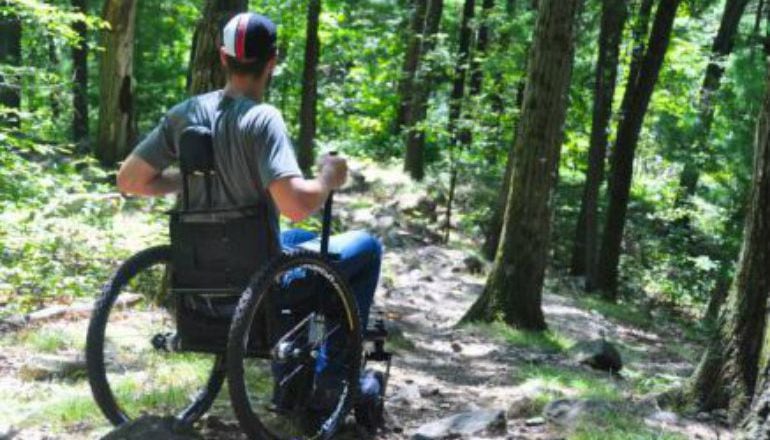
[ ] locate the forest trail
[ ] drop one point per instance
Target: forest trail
(439, 369)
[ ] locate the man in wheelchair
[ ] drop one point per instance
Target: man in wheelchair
(256, 163)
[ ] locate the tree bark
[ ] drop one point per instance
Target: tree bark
(411, 63)
(622, 159)
(495, 227)
(415, 136)
(117, 124)
(307, 113)
(727, 374)
(514, 288)
(80, 79)
(720, 50)
(10, 55)
(614, 13)
(206, 73)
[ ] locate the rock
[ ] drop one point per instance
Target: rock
(535, 421)
(44, 367)
(358, 182)
(407, 395)
(456, 347)
(474, 264)
(598, 354)
(520, 407)
(429, 392)
(664, 417)
(385, 222)
(568, 412)
(463, 424)
(153, 428)
(7, 432)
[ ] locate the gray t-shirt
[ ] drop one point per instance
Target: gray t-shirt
(251, 148)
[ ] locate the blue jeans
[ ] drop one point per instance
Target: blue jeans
(359, 260)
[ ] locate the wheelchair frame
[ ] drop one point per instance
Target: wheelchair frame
(215, 254)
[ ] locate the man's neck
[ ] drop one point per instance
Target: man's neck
(232, 89)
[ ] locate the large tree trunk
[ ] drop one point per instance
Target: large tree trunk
(117, 124)
(80, 79)
(411, 63)
(414, 163)
(720, 50)
(10, 55)
(727, 374)
(307, 112)
(639, 93)
(514, 288)
(614, 13)
(206, 73)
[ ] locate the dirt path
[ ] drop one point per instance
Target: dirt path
(440, 369)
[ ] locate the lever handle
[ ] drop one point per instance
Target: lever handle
(326, 227)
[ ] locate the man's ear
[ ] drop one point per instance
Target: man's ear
(223, 56)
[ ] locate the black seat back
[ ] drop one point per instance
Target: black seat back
(215, 252)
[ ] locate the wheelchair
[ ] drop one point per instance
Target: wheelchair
(223, 304)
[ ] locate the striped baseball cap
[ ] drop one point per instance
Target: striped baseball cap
(250, 37)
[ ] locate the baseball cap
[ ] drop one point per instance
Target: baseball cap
(249, 37)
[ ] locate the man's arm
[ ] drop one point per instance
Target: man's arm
(297, 198)
(138, 177)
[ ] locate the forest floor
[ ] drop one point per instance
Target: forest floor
(440, 369)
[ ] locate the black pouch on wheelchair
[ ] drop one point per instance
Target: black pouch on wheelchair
(215, 252)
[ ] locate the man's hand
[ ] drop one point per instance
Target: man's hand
(333, 170)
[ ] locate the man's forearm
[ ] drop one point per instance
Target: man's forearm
(167, 182)
(297, 198)
(314, 194)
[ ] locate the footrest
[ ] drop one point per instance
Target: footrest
(375, 334)
(379, 356)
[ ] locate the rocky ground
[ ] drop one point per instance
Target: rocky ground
(447, 381)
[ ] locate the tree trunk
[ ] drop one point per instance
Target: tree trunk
(727, 374)
(10, 55)
(614, 13)
(206, 73)
(307, 112)
(514, 288)
(80, 79)
(117, 124)
(638, 93)
(463, 59)
(415, 136)
(457, 134)
(720, 50)
(640, 34)
(495, 228)
(411, 64)
(482, 42)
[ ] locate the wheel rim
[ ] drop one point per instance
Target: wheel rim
(130, 373)
(286, 393)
